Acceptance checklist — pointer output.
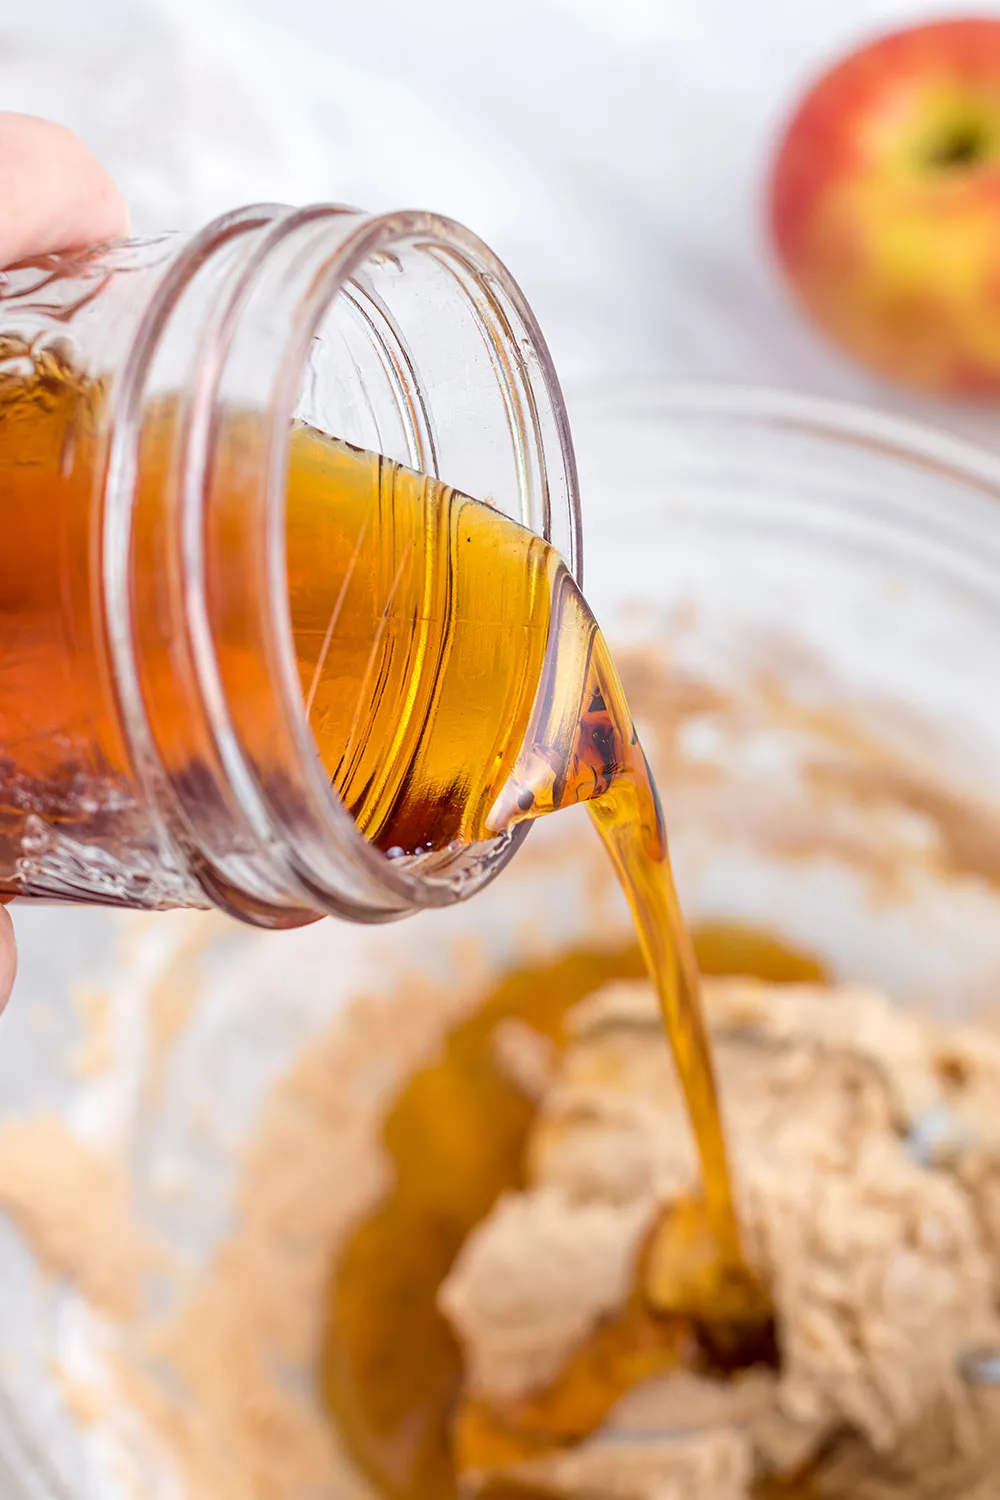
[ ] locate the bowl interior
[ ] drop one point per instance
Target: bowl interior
(806, 606)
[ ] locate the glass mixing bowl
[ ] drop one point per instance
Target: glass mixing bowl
(818, 589)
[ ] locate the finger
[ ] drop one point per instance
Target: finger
(53, 194)
(8, 957)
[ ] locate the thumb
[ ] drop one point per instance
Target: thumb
(55, 194)
(8, 956)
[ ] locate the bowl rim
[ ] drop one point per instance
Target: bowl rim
(849, 423)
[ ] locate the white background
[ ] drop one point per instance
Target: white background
(613, 152)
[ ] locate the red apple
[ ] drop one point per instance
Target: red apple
(885, 205)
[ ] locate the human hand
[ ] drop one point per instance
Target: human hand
(54, 196)
(8, 956)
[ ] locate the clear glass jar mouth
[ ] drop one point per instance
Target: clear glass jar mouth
(277, 847)
(547, 479)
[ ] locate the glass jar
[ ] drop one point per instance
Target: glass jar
(137, 776)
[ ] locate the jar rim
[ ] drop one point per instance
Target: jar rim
(299, 847)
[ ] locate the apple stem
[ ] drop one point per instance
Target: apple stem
(963, 146)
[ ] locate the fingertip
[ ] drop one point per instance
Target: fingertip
(101, 213)
(56, 194)
(8, 956)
